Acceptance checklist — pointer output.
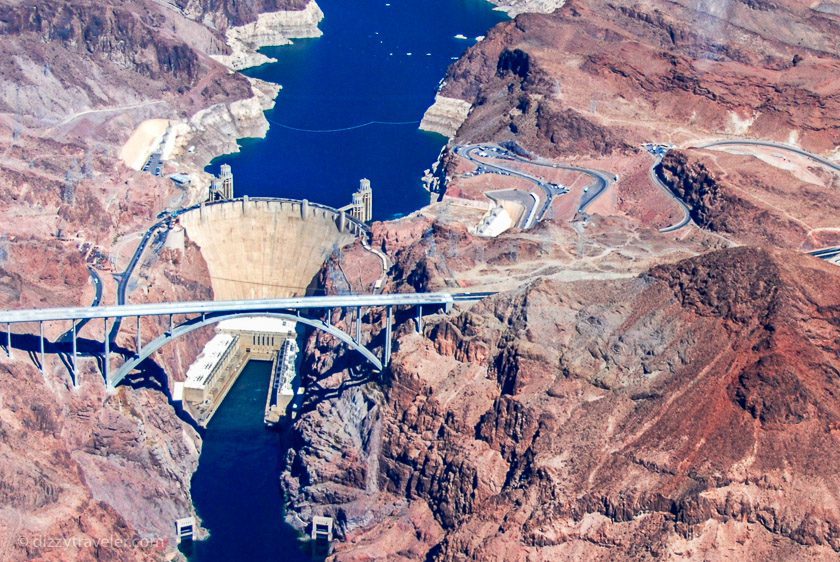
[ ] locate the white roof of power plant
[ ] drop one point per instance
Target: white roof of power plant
(258, 324)
(202, 367)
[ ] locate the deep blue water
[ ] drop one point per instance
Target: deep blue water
(359, 71)
(236, 489)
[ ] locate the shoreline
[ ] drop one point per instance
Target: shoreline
(229, 123)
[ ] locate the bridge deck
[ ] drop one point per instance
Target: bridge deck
(259, 305)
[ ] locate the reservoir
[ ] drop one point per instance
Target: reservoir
(377, 61)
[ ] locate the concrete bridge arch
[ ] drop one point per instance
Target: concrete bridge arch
(210, 318)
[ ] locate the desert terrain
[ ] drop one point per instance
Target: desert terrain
(656, 375)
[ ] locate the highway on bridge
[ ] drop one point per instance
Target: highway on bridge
(198, 314)
(256, 306)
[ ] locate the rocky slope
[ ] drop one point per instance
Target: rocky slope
(595, 76)
(614, 400)
(639, 418)
(85, 474)
(756, 204)
(592, 81)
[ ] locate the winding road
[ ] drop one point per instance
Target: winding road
(124, 277)
(769, 144)
(686, 218)
(551, 190)
(97, 299)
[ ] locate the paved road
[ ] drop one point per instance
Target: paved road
(824, 161)
(97, 299)
(595, 190)
(166, 220)
(124, 277)
(602, 179)
(473, 153)
(154, 163)
(75, 116)
(686, 219)
(256, 306)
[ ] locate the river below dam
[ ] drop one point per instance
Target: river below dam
(236, 489)
(377, 61)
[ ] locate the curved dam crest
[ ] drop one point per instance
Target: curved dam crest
(265, 248)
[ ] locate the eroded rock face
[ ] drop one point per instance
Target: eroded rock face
(637, 418)
(630, 74)
(84, 474)
(121, 35)
(232, 12)
(103, 476)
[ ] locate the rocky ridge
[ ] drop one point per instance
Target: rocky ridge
(614, 400)
(635, 418)
(104, 475)
(270, 29)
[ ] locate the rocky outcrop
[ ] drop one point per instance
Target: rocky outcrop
(215, 130)
(736, 206)
(121, 35)
(638, 73)
(222, 14)
(86, 474)
(269, 29)
(601, 420)
(515, 7)
(694, 184)
(445, 116)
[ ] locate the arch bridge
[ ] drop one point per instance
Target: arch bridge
(198, 314)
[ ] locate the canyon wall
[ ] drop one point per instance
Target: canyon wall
(445, 116)
(104, 475)
(627, 393)
(640, 418)
(270, 29)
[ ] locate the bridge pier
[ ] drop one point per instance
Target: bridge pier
(105, 362)
(195, 315)
(41, 329)
(75, 358)
(386, 360)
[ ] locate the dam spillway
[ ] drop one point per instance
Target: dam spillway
(266, 248)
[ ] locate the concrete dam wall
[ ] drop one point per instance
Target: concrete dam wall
(266, 248)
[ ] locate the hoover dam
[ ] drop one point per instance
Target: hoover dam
(266, 248)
